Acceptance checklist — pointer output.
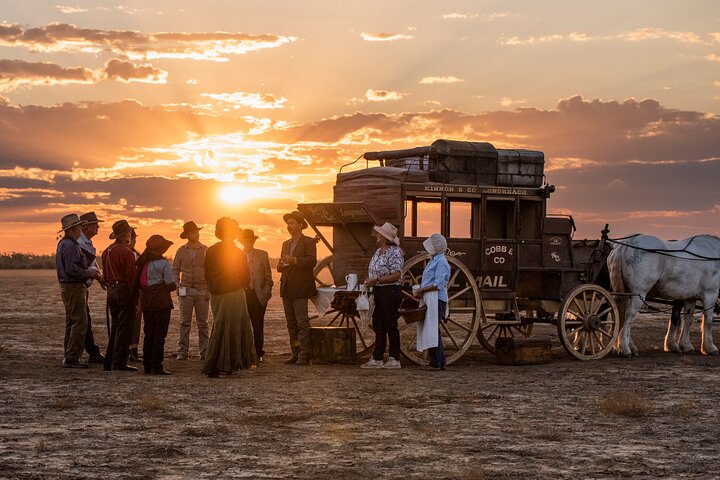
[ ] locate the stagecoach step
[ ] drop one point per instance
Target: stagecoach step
(332, 345)
(523, 351)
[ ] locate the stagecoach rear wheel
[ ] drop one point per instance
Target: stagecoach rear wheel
(489, 332)
(341, 317)
(459, 331)
(588, 322)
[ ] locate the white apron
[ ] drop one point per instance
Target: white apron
(427, 330)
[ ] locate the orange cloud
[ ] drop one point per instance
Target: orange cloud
(252, 100)
(373, 95)
(436, 80)
(384, 37)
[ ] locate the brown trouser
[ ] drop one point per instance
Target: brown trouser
(298, 325)
(74, 298)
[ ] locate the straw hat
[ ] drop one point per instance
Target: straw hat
(435, 244)
(69, 221)
(388, 231)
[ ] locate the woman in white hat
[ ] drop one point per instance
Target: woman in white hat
(433, 291)
(384, 274)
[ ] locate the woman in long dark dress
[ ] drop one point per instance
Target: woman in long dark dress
(230, 347)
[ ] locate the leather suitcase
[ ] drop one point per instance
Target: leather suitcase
(332, 345)
(523, 351)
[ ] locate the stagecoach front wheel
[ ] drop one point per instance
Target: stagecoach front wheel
(342, 317)
(458, 332)
(588, 322)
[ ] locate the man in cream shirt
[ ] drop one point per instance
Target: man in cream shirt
(189, 274)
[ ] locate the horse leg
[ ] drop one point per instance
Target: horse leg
(687, 319)
(673, 332)
(708, 347)
(625, 346)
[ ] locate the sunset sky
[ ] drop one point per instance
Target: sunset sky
(167, 111)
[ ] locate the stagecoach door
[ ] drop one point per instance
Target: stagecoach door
(499, 246)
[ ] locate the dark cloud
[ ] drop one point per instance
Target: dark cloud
(116, 69)
(197, 46)
(16, 73)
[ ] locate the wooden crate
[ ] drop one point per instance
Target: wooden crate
(332, 345)
(523, 351)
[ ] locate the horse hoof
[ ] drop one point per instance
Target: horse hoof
(712, 353)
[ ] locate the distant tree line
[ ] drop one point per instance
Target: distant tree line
(16, 261)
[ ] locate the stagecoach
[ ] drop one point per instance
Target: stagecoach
(513, 264)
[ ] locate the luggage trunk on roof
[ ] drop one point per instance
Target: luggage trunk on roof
(480, 163)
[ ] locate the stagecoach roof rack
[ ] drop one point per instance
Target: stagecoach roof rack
(463, 162)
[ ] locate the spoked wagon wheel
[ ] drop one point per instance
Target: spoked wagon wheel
(489, 332)
(344, 317)
(461, 327)
(323, 272)
(588, 322)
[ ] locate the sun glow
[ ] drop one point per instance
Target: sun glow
(236, 194)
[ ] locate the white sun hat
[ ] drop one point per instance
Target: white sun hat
(388, 231)
(435, 244)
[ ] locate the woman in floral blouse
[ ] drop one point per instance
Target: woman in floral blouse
(384, 276)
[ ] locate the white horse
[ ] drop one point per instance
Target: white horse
(684, 270)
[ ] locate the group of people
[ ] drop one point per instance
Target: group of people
(236, 285)
(139, 287)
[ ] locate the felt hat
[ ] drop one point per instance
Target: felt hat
(435, 244)
(69, 221)
(247, 234)
(90, 217)
(158, 242)
(119, 228)
(189, 227)
(388, 231)
(226, 227)
(299, 217)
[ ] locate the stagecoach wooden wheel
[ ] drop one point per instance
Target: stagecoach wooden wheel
(461, 327)
(489, 332)
(588, 322)
(341, 317)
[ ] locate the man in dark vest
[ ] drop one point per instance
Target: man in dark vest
(297, 284)
(118, 262)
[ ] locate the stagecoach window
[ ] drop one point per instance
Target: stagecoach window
(500, 218)
(530, 215)
(422, 217)
(461, 219)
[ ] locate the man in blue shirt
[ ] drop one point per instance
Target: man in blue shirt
(73, 272)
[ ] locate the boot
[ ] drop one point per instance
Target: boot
(133, 357)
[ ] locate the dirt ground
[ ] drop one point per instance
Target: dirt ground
(648, 417)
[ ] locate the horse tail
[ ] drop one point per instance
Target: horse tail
(615, 269)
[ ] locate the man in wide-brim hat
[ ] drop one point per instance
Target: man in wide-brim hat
(297, 285)
(90, 228)
(259, 291)
(118, 262)
(189, 274)
(73, 271)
